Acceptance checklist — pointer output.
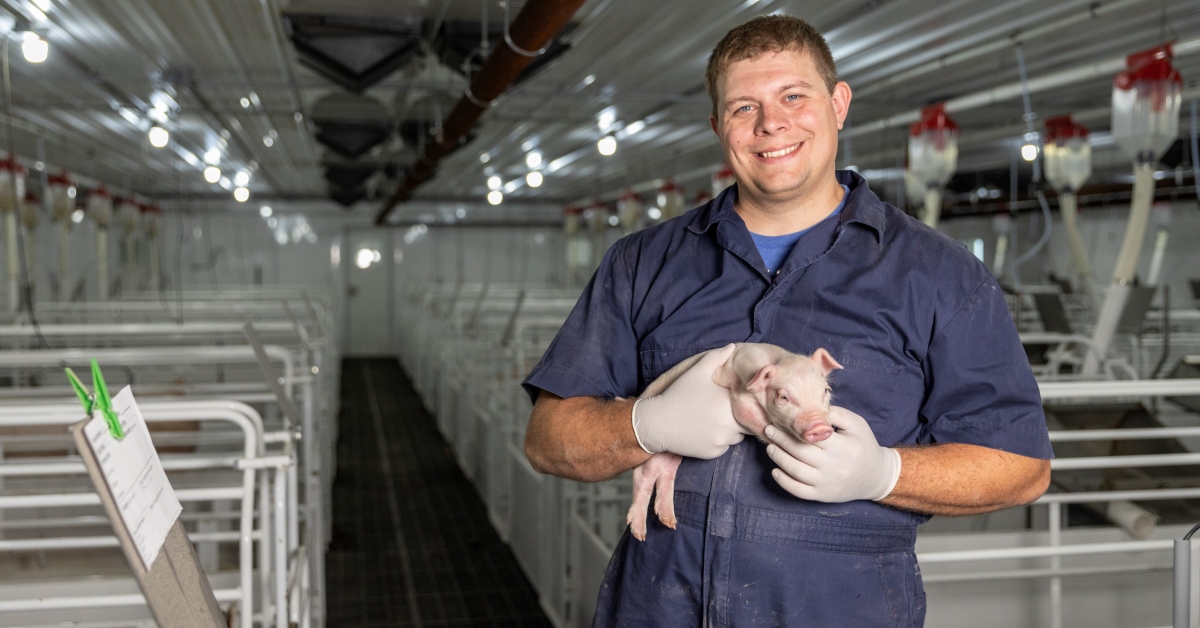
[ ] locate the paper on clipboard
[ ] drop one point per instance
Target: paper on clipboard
(135, 476)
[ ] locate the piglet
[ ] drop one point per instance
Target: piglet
(767, 384)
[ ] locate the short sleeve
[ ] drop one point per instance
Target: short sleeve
(595, 352)
(980, 389)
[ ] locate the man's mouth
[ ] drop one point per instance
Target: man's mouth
(779, 153)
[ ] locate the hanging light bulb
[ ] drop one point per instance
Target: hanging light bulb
(607, 145)
(533, 159)
(159, 136)
(494, 182)
(35, 48)
(1029, 152)
(495, 197)
(241, 195)
(212, 174)
(534, 179)
(241, 179)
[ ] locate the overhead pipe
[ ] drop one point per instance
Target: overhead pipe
(942, 61)
(533, 28)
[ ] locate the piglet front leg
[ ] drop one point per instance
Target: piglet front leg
(657, 473)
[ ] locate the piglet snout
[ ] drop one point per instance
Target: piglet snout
(814, 426)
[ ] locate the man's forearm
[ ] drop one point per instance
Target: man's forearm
(582, 438)
(958, 479)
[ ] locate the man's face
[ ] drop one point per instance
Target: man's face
(778, 124)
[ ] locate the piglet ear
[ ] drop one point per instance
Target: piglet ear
(762, 378)
(824, 361)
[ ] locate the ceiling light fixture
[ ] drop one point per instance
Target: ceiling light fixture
(212, 156)
(267, 141)
(241, 195)
(607, 145)
(35, 48)
(534, 179)
(494, 182)
(495, 197)
(265, 211)
(241, 178)
(245, 102)
(212, 174)
(533, 159)
(1029, 152)
(158, 136)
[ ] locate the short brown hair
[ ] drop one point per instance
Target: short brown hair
(763, 34)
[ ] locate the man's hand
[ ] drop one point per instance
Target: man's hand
(849, 465)
(693, 417)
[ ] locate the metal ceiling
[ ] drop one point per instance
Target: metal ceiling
(241, 84)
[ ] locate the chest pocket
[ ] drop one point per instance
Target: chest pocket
(655, 362)
(868, 388)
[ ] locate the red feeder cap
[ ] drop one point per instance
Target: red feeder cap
(629, 196)
(61, 178)
(10, 164)
(571, 210)
(1149, 65)
(30, 197)
(933, 117)
(100, 191)
(724, 172)
(1063, 127)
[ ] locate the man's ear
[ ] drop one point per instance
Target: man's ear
(841, 102)
(825, 362)
(712, 120)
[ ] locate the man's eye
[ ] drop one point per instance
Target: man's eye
(743, 108)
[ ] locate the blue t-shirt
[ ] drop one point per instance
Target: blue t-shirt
(774, 249)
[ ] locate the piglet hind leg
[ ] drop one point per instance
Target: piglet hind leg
(658, 471)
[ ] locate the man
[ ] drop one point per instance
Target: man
(801, 256)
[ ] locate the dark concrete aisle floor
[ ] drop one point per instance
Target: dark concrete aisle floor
(412, 545)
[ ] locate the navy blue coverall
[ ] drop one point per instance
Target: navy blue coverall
(931, 355)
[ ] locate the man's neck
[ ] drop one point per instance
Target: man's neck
(771, 217)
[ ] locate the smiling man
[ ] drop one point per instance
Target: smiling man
(938, 411)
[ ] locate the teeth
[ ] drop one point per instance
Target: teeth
(780, 153)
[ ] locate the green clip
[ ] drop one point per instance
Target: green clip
(100, 400)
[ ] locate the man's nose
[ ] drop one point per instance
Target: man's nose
(771, 120)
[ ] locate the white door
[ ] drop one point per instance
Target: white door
(367, 258)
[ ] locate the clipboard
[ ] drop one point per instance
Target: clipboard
(176, 588)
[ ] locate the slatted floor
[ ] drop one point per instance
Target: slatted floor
(412, 545)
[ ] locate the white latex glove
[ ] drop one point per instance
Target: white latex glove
(849, 465)
(693, 417)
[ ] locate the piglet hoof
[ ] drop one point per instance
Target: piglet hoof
(637, 520)
(818, 433)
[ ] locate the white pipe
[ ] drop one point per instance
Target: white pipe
(1056, 517)
(155, 276)
(1126, 268)
(279, 539)
(102, 262)
(1119, 389)
(1120, 462)
(998, 260)
(933, 207)
(94, 601)
(14, 291)
(1064, 436)
(1078, 549)
(89, 542)
(92, 499)
(1091, 497)
(1068, 205)
(1156, 260)
(64, 259)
